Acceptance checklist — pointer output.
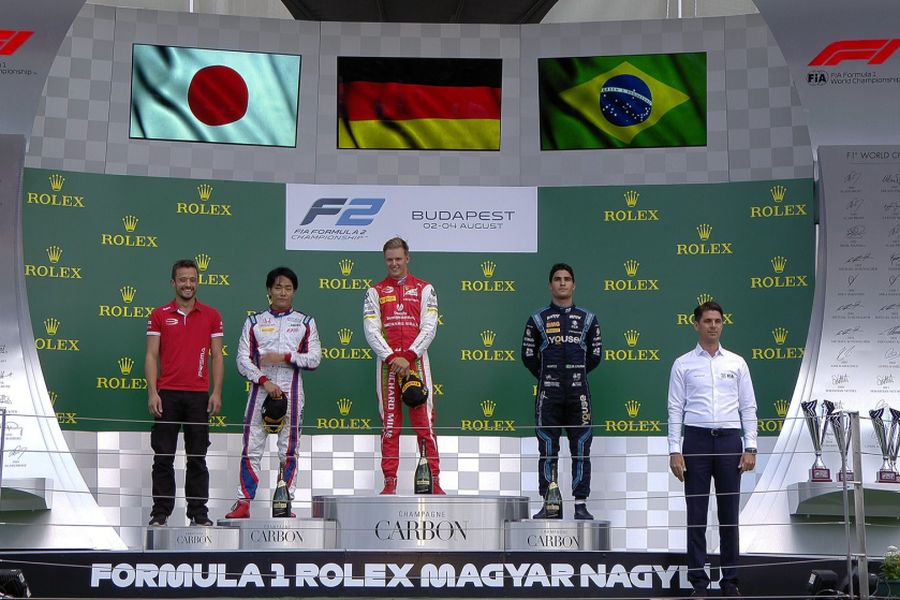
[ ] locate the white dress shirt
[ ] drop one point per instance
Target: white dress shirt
(712, 392)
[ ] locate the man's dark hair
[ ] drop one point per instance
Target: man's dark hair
(561, 267)
(396, 242)
(698, 312)
(280, 272)
(184, 263)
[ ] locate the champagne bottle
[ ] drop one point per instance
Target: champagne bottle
(553, 507)
(281, 500)
(423, 480)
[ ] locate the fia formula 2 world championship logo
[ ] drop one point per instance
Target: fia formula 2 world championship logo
(338, 219)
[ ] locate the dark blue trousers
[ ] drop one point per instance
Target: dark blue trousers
(712, 454)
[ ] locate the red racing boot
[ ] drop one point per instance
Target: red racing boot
(390, 486)
(240, 510)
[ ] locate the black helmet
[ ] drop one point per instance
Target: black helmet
(412, 391)
(273, 413)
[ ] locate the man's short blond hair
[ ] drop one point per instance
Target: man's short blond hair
(396, 242)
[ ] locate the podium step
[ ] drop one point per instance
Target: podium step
(192, 538)
(283, 534)
(563, 535)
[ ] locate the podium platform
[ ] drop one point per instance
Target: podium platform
(283, 534)
(394, 524)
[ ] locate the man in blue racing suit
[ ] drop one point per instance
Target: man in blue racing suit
(561, 345)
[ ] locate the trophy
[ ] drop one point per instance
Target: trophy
(817, 430)
(840, 426)
(887, 472)
(894, 440)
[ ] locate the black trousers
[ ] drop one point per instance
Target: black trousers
(574, 415)
(712, 454)
(187, 411)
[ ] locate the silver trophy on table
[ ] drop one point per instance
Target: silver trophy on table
(818, 428)
(888, 472)
(840, 426)
(894, 438)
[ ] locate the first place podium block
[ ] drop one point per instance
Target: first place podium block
(424, 522)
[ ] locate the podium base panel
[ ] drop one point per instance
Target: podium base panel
(424, 522)
(557, 536)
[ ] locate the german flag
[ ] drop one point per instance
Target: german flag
(419, 103)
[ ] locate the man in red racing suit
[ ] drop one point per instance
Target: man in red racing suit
(400, 317)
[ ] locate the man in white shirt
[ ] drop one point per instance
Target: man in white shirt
(711, 396)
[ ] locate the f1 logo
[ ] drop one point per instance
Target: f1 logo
(875, 52)
(11, 40)
(349, 216)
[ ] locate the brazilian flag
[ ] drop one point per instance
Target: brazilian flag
(641, 101)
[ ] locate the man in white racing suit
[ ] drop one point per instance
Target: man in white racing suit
(275, 346)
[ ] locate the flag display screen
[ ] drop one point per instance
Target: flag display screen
(219, 96)
(419, 103)
(641, 101)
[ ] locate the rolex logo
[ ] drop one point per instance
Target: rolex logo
(778, 192)
(56, 181)
(704, 298)
(631, 267)
(130, 222)
(487, 408)
(778, 263)
(631, 353)
(781, 407)
(203, 261)
(128, 292)
(344, 282)
(632, 407)
(344, 405)
(204, 190)
(345, 335)
(631, 284)
(125, 365)
(488, 284)
(53, 397)
(630, 213)
(51, 325)
(126, 310)
(780, 335)
(631, 337)
(704, 230)
(488, 337)
(779, 280)
(54, 253)
(780, 208)
(704, 247)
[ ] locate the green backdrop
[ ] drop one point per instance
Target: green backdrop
(98, 250)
